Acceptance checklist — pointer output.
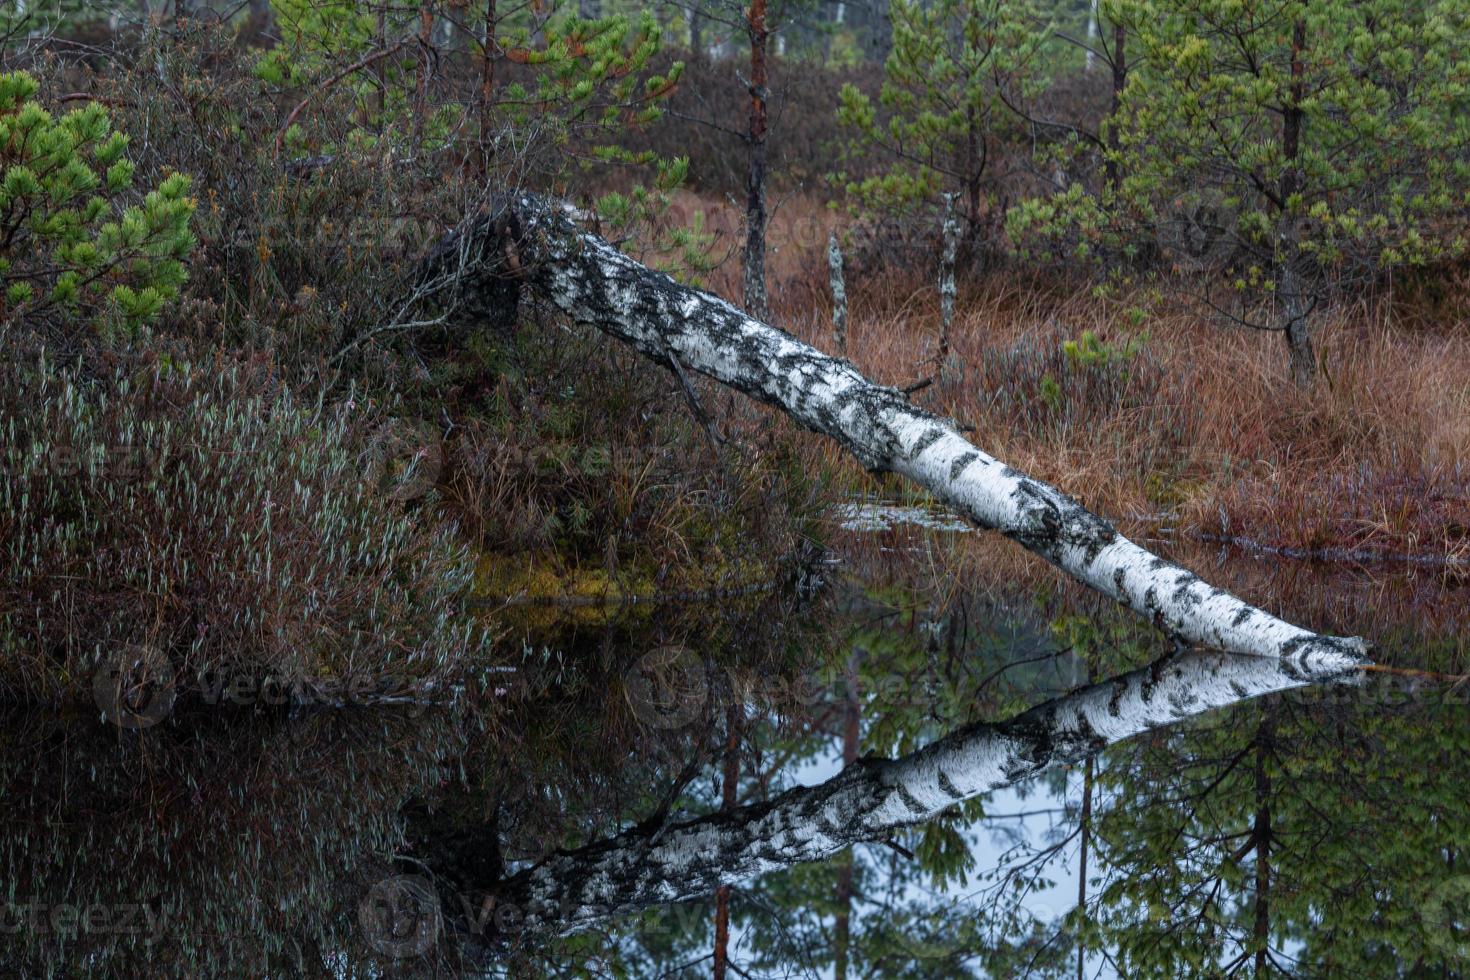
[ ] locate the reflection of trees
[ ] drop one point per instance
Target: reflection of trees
(572, 891)
(250, 839)
(907, 670)
(1308, 836)
(917, 904)
(1312, 835)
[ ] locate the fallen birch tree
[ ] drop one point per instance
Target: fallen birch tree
(575, 890)
(527, 239)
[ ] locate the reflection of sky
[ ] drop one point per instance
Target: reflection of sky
(1020, 820)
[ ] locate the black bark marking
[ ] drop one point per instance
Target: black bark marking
(1184, 596)
(959, 464)
(1294, 645)
(909, 800)
(929, 438)
(1039, 526)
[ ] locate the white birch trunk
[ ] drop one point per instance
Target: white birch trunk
(839, 293)
(1092, 33)
(951, 243)
(572, 891)
(593, 283)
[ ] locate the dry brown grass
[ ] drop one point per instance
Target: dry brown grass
(1201, 432)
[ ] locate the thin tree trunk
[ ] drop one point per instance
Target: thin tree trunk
(680, 327)
(1092, 35)
(1120, 79)
(974, 169)
(487, 74)
(425, 67)
(950, 236)
(839, 294)
(573, 891)
(1261, 834)
(259, 22)
(728, 791)
(696, 35)
(881, 30)
(1294, 307)
(1297, 321)
(380, 82)
(851, 732)
(1086, 826)
(755, 198)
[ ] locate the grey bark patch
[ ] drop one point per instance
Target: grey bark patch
(909, 800)
(958, 466)
(928, 439)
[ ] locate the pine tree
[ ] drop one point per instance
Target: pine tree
(71, 249)
(939, 113)
(1300, 146)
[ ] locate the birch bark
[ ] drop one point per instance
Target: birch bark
(576, 890)
(839, 294)
(593, 283)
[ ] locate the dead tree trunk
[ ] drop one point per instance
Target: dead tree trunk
(851, 733)
(572, 891)
(685, 329)
(950, 239)
(728, 793)
(839, 294)
(755, 196)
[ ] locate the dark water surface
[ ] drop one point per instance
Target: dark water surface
(1318, 832)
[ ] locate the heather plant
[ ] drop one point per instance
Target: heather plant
(204, 515)
(73, 252)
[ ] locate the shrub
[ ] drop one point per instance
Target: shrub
(943, 111)
(205, 517)
(1057, 387)
(71, 252)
